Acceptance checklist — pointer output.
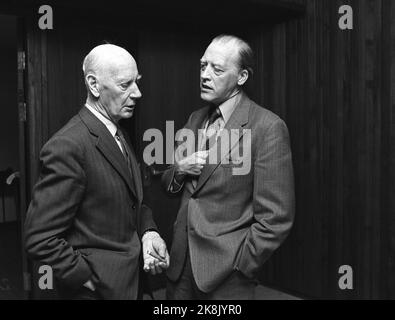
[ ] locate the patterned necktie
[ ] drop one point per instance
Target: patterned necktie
(214, 116)
(210, 139)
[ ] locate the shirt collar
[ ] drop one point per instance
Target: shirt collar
(108, 123)
(229, 106)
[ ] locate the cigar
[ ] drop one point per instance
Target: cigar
(156, 256)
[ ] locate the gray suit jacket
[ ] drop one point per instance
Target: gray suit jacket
(235, 222)
(86, 216)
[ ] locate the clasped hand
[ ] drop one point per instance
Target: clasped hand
(156, 257)
(192, 164)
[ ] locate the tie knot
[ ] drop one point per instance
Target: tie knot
(214, 116)
(119, 133)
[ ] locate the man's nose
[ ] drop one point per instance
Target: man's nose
(136, 93)
(205, 74)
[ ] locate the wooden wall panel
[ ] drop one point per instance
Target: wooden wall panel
(333, 88)
(388, 261)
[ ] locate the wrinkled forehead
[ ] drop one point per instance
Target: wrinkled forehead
(222, 53)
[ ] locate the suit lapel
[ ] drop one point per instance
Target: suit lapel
(235, 125)
(107, 146)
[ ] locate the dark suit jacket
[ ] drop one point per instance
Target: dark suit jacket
(86, 216)
(235, 222)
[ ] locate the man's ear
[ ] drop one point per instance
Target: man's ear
(93, 86)
(243, 77)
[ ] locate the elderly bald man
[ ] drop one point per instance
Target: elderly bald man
(87, 219)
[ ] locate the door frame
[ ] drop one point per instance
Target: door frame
(22, 148)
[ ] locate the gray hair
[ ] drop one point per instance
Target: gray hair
(246, 55)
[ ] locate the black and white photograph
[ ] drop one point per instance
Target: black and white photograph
(179, 151)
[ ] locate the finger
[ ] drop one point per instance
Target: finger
(146, 267)
(202, 154)
(155, 267)
(162, 250)
(151, 263)
(147, 261)
(165, 256)
(200, 161)
(202, 157)
(158, 269)
(193, 172)
(153, 271)
(146, 256)
(192, 167)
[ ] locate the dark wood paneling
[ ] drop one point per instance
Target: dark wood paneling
(333, 88)
(388, 261)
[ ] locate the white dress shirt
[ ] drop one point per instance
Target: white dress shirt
(108, 123)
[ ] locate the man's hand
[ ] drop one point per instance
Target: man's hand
(156, 257)
(191, 165)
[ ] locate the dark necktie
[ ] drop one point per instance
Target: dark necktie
(212, 118)
(210, 141)
(125, 150)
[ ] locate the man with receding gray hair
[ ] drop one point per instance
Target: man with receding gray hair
(87, 220)
(230, 220)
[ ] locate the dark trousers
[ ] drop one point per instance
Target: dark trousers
(235, 287)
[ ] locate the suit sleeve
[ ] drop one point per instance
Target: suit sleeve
(169, 181)
(55, 201)
(147, 222)
(273, 199)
